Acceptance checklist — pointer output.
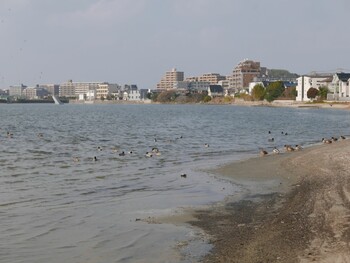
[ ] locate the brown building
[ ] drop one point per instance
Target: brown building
(170, 78)
(212, 78)
(244, 73)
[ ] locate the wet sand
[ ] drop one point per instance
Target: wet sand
(296, 209)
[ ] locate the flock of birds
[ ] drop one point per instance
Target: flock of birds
(297, 147)
(155, 151)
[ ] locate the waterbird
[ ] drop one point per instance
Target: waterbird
(263, 152)
(183, 175)
(122, 153)
(288, 148)
(334, 139)
(94, 159)
(99, 148)
(298, 147)
(76, 159)
(40, 135)
(9, 135)
(275, 150)
(326, 141)
(114, 149)
(155, 150)
(271, 140)
(342, 137)
(206, 145)
(148, 154)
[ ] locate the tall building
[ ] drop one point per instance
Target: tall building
(170, 78)
(244, 73)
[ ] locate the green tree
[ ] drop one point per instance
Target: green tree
(312, 93)
(207, 98)
(258, 92)
(274, 90)
(290, 93)
(323, 91)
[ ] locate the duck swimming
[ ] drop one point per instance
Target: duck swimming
(148, 154)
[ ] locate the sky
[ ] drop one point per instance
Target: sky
(137, 41)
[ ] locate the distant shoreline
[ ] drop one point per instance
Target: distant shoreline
(277, 103)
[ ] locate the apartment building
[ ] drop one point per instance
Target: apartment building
(311, 81)
(52, 89)
(243, 74)
(35, 93)
(67, 89)
(74, 89)
(170, 78)
(212, 78)
(105, 89)
(17, 91)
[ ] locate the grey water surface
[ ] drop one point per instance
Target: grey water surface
(59, 205)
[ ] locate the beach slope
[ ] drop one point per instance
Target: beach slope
(303, 217)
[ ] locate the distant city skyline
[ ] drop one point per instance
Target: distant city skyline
(136, 41)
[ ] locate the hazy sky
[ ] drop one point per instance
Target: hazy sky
(136, 41)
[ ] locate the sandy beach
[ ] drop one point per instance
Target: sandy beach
(296, 209)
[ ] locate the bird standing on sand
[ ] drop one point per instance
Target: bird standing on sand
(263, 152)
(326, 141)
(298, 147)
(288, 148)
(275, 150)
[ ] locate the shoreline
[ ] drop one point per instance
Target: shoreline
(296, 209)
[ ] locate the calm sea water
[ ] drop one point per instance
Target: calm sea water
(53, 209)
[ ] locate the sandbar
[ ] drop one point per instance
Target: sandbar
(296, 208)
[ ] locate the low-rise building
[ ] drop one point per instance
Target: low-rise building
(215, 91)
(340, 87)
(312, 81)
(105, 90)
(34, 93)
